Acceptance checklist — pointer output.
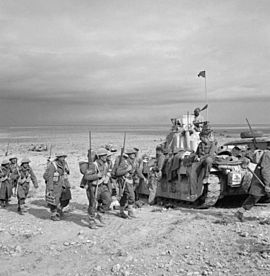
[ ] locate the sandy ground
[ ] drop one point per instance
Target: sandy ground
(159, 241)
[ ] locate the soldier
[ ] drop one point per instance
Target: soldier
(91, 175)
(155, 174)
(206, 151)
(5, 183)
(99, 197)
(14, 169)
(26, 175)
(144, 171)
(127, 173)
(110, 163)
(103, 193)
(260, 184)
(58, 187)
(198, 120)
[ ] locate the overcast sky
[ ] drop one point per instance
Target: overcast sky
(133, 61)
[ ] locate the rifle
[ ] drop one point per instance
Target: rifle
(6, 154)
(120, 160)
(50, 153)
(91, 166)
(90, 161)
(122, 150)
(253, 134)
(257, 177)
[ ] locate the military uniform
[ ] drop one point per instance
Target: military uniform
(5, 183)
(58, 185)
(103, 194)
(26, 175)
(97, 190)
(14, 169)
(257, 190)
(155, 174)
(111, 183)
(205, 153)
(127, 173)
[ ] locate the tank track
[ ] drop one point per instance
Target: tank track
(211, 192)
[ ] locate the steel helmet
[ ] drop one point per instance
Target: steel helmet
(25, 160)
(5, 162)
(130, 151)
(13, 157)
(60, 154)
(102, 152)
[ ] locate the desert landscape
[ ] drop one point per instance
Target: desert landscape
(160, 241)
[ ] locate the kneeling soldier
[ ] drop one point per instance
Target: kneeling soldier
(58, 187)
(26, 175)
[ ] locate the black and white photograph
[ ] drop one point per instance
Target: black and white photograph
(134, 137)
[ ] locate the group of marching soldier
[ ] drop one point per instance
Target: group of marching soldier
(101, 179)
(15, 180)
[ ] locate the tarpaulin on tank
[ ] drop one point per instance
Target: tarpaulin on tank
(195, 174)
(172, 165)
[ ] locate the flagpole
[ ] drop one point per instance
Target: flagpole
(206, 98)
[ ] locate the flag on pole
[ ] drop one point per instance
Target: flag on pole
(201, 74)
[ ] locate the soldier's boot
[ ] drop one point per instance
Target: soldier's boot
(55, 216)
(131, 211)
(92, 223)
(23, 208)
(240, 214)
(19, 209)
(100, 219)
(122, 213)
(60, 211)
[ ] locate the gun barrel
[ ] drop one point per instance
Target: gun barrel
(253, 134)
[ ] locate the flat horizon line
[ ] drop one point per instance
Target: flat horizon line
(121, 124)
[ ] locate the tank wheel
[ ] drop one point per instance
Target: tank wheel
(211, 193)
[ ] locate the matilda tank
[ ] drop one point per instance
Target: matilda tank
(183, 180)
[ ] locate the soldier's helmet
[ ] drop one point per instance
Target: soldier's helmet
(5, 162)
(197, 110)
(25, 160)
(60, 154)
(111, 148)
(130, 151)
(145, 158)
(102, 152)
(13, 157)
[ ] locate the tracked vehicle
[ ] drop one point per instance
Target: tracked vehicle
(182, 179)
